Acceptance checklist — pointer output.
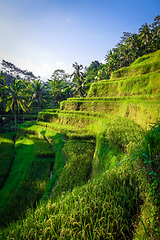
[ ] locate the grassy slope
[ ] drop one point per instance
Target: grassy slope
(29, 174)
(98, 147)
(6, 155)
(141, 77)
(78, 170)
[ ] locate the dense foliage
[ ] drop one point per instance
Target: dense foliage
(134, 45)
(91, 169)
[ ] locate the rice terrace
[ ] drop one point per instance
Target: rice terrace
(88, 168)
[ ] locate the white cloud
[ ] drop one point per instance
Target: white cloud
(60, 64)
(46, 69)
(66, 66)
(68, 20)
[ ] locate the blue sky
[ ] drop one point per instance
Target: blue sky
(45, 35)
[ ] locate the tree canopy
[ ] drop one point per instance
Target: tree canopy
(134, 45)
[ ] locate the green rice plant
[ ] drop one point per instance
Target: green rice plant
(143, 65)
(143, 112)
(69, 131)
(101, 209)
(148, 222)
(9, 206)
(29, 175)
(144, 84)
(78, 167)
(142, 109)
(114, 98)
(71, 119)
(146, 154)
(60, 160)
(149, 58)
(106, 156)
(141, 77)
(85, 113)
(124, 133)
(42, 148)
(6, 155)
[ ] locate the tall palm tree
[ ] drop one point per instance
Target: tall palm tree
(79, 87)
(145, 35)
(108, 55)
(156, 38)
(111, 65)
(56, 89)
(77, 72)
(16, 99)
(38, 93)
(134, 46)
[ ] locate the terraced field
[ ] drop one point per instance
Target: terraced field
(89, 170)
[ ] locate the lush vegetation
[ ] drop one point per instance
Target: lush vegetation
(133, 46)
(6, 155)
(91, 169)
(110, 195)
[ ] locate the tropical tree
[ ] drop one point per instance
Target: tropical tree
(58, 87)
(56, 90)
(3, 88)
(37, 90)
(16, 99)
(79, 87)
(112, 63)
(77, 72)
(145, 35)
(79, 82)
(156, 38)
(132, 46)
(14, 71)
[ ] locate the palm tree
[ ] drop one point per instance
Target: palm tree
(156, 38)
(56, 89)
(16, 99)
(145, 35)
(37, 90)
(77, 72)
(79, 86)
(111, 65)
(108, 55)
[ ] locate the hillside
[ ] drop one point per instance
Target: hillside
(89, 170)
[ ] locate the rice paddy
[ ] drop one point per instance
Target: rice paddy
(89, 170)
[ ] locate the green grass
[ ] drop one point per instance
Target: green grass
(141, 109)
(91, 165)
(146, 64)
(102, 209)
(144, 84)
(141, 77)
(107, 155)
(78, 167)
(9, 205)
(114, 98)
(60, 161)
(66, 118)
(124, 133)
(29, 176)
(6, 155)
(105, 207)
